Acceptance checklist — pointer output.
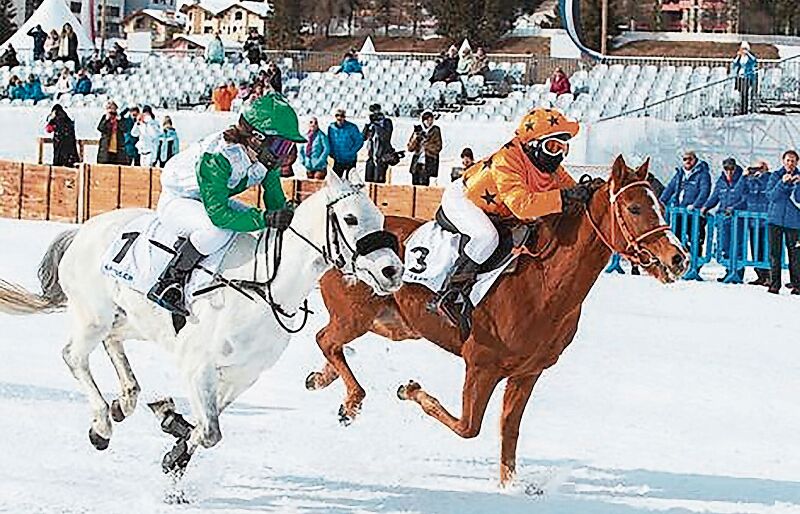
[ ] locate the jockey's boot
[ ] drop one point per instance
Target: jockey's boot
(454, 300)
(168, 291)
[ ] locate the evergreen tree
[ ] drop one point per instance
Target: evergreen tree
(7, 14)
(591, 21)
(284, 24)
(483, 22)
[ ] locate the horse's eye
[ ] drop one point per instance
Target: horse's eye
(351, 220)
(635, 210)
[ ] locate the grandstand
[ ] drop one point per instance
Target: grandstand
(400, 83)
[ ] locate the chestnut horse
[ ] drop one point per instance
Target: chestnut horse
(524, 323)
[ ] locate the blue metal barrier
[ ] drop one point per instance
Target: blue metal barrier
(748, 243)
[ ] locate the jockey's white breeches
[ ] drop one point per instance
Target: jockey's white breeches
(471, 221)
(188, 217)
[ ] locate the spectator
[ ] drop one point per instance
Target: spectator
(273, 78)
(9, 58)
(39, 38)
(215, 51)
(244, 90)
(129, 118)
(64, 84)
(445, 70)
(465, 61)
(112, 138)
(467, 160)
(223, 96)
(345, 141)
(288, 161)
(753, 189)
(253, 45)
(94, 64)
(116, 61)
(378, 134)
(51, 46)
(425, 143)
(350, 65)
(256, 92)
(16, 89)
(83, 86)
(314, 154)
(689, 188)
(480, 63)
(33, 89)
(744, 67)
(65, 150)
(147, 131)
(559, 83)
(727, 197)
(784, 221)
(168, 144)
(68, 46)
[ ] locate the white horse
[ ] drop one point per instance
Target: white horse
(230, 338)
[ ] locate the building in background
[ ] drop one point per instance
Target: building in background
(232, 20)
(162, 25)
(698, 15)
(132, 6)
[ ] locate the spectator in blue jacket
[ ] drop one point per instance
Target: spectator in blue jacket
(689, 188)
(314, 154)
(168, 144)
(33, 89)
(744, 67)
(16, 89)
(351, 65)
(345, 141)
(83, 86)
(753, 189)
(784, 221)
(727, 197)
(128, 118)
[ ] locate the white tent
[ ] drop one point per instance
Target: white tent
(368, 47)
(464, 45)
(52, 14)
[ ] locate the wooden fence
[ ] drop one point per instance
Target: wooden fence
(42, 192)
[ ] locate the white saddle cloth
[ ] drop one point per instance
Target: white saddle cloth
(431, 252)
(134, 261)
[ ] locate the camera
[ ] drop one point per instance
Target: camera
(375, 117)
(417, 128)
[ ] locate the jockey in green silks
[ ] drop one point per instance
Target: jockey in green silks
(198, 183)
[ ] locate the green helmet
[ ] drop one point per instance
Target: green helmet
(273, 116)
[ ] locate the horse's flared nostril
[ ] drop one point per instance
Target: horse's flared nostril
(389, 272)
(678, 260)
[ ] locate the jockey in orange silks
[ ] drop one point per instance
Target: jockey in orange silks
(524, 180)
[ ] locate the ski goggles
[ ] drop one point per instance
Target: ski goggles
(555, 145)
(277, 146)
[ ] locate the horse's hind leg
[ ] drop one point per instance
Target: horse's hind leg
(331, 341)
(88, 330)
(123, 406)
(516, 396)
(478, 387)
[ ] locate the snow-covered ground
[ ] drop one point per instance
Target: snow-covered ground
(671, 399)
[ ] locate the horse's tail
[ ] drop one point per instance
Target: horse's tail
(15, 299)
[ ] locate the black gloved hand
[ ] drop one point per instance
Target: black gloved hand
(279, 220)
(576, 197)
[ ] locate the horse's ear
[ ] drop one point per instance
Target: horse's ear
(643, 170)
(618, 170)
(355, 179)
(333, 181)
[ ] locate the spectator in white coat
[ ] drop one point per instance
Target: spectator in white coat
(148, 131)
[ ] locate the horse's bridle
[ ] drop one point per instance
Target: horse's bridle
(634, 251)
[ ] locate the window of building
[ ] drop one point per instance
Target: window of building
(140, 23)
(112, 11)
(207, 30)
(75, 7)
(238, 16)
(208, 16)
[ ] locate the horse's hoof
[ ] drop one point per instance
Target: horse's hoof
(404, 391)
(116, 411)
(99, 442)
(177, 459)
(311, 380)
(345, 419)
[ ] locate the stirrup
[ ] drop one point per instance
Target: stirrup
(161, 297)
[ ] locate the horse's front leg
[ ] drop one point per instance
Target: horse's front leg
(123, 406)
(478, 387)
(516, 396)
(331, 341)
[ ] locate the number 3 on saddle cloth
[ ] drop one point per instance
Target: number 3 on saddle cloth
(431, 252)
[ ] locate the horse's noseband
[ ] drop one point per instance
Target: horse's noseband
(376, 241)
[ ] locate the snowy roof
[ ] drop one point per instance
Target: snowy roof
(216, 7)
(260, 8)
(202, 40)
(177, 19)
(51, 14)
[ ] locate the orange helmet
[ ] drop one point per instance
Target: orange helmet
(541, 123)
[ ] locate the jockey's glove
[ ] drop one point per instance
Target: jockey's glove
(279, 220)
(576, 197)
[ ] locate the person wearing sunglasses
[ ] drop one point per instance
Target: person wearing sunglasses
(689, 188)
(523, 180)
(727, 197)
(198, 185)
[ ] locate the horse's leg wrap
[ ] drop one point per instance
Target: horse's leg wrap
(177, 459)
(176, 425)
